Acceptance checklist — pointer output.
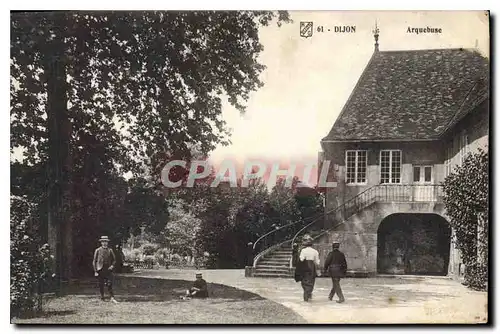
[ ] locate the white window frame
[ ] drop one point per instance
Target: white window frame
(390, 166)
(421, 176)
(448, 160)
(464, 146)
(356, 174)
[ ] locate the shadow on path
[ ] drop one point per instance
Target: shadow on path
(156, 301)
(137, 289)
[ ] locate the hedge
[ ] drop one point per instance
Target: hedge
(466, 199)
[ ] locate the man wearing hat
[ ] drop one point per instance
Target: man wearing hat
(336, 266)
(199, 289)
(308, 266)
(104, 262)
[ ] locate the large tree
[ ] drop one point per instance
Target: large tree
(97, 94)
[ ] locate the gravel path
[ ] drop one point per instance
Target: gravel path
(381, 300)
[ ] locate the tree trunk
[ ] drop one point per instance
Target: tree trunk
(59, 131)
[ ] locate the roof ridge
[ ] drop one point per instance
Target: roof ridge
(352, 93)
(459, 115)
(452, 120)
(440, 49)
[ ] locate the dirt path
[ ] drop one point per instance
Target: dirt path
(379, 300)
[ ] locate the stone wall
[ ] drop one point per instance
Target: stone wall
(358, 235)
(476, 126)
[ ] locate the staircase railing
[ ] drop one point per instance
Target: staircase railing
(377, 193)
(278, 235)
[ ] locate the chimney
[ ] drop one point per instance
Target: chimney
(375, 34)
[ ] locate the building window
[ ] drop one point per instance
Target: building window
(416, 174)
(427, 174)
(356, 164)
(422, 174)
(390, 166)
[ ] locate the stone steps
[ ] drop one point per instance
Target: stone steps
(275, 264)
(275, 260)
(266, 266)
(278, 257)
(281, 252)
(275, 275)
(272, 270)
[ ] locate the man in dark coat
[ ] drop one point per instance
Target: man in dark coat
(119, 259)
(336, 266)
(104, 262)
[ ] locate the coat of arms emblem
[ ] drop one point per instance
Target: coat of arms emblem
(306, 29)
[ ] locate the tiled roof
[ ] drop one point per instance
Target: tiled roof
(411, 95)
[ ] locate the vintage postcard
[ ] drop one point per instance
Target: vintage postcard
(249, 167)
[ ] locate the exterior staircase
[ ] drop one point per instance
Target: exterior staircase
(273, 260)
(275, 263)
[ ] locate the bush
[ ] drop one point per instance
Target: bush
(466, 197)
(176, 260)
(161, 256)
(30, 266)
(149, 249)
(201, 261)
(476, 276)
(132, 255)
(149, 260)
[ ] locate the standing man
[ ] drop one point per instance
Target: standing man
(309, 267)
(104, 262)
(336, 265)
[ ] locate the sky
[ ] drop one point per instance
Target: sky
(308, 80)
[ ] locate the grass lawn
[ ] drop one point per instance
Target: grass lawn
(156, 301)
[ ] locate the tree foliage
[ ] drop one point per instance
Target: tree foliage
(232, 217)
(466, 197)
(181, 230)
(30, 265)
(159, 75)
(97, 94)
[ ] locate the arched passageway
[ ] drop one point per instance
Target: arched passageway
(413, 244)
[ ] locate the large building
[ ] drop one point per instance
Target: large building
(412, 116)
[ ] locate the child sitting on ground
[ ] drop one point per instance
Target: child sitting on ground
(199, 289)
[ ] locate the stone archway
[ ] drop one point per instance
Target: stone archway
(413, 244)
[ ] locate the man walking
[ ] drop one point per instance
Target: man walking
(104, 262)
(336, 266)
(309, 266)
